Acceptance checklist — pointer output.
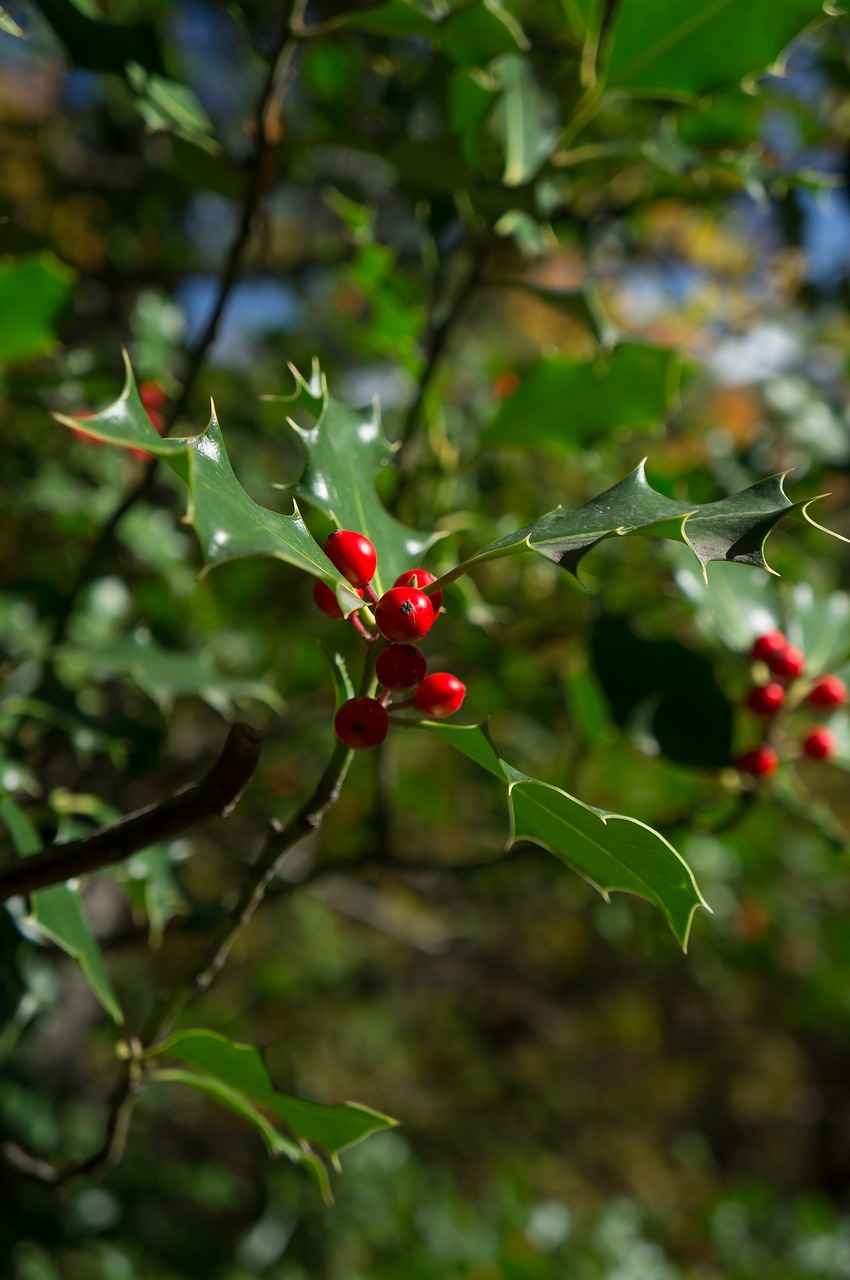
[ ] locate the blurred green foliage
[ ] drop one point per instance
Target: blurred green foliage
(516, 225)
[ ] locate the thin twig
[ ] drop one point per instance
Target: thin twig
(434, 343)
(214, 796)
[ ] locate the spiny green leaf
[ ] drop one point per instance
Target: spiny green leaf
(230, 525)
(687, 47)
(240, 1067)
(733, 528)
(55, 913)
(344, 451)
(611, 851)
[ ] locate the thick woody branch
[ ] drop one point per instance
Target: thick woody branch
(214, 796)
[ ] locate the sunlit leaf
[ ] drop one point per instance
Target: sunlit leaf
(56, 915)
(613, 852)
(687, 47)
(240, 1068)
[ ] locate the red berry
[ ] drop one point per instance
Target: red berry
(820, 744)
(325, 599)
(788, 664)
(353, 555)
(404, 614)
(828, 692)
(421, 578)
(768, 645)
(766, 699)
(440, 695)
(400, 666)
(361, 723)
(153, 394)
(505, 385)
(759, 762)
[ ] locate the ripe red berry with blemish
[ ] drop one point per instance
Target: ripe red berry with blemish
(758, 762)
(788, 664)
(440, 695)
(361, 723)
(325, 599)
(768, 645)
(828, 692)
(820, 744)
(400, 666)
(353, 555)
(766, 699)
(404, 614)
(421, 578)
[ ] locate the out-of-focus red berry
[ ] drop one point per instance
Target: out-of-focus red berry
(789, 664)
(829, 691)
(153, 395)
(758, 762)
(400, 666)
(766, 699)
(820, 744)
(505, 385)
(768, 645)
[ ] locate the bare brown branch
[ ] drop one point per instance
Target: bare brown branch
(214, 796)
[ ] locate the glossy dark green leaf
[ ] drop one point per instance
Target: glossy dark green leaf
(56, 915)
(563, 404)
(611, 851)
(230, 525)
(662, 690)
(688, 47)
(734, 528)
(344, 452)
(33, 291)
(240, 1067)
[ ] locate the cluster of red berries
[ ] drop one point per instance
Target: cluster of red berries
(785, 691)
(403, 614)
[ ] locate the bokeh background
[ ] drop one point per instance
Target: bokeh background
(577, 1097)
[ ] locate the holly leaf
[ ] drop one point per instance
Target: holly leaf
(683, 48)
(733, 529)
(236, 1075)
(230, 525)
(471, 34)
(525, 119)
(56, 915)
(344, 451)
(610, 850)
